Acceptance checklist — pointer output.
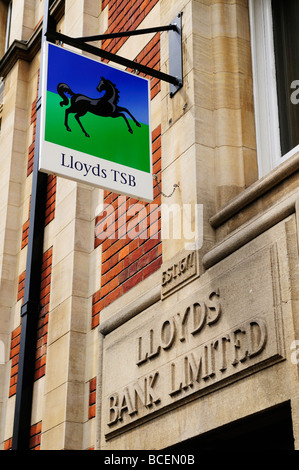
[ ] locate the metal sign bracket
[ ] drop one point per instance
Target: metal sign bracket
(176, 54)
(175, 76)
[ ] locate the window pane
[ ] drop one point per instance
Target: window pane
(8, 25)
(286, 43)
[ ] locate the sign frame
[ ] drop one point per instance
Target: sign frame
(104, 172)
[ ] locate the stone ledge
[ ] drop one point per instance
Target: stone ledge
(252, 229)
(256, 190)
(26, 50)
(129, 311)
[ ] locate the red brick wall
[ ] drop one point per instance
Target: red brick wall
(51, 199)
(35, 438)
(51, 183)
(46, 278)
(42, 328)
(32, 146)
(50, 209)
(8, 444)
(92, 398)
(126, 262)
(41, 345)
(150, 56)
(41, 340)
(124, 15)
(14, 356)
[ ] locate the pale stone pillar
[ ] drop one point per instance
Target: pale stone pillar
(208, 133)
(187, 122)
(13, 151)
(295, 421)
(235, 142)
(24, 19)
(69, 312)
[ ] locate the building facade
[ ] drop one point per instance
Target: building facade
(171, 324)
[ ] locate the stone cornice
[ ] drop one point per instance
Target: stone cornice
(26, 50)
(286, 205)
(256, 190)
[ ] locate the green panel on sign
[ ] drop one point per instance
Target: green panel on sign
(118, 145)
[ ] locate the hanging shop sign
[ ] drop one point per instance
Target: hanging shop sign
(95, 125)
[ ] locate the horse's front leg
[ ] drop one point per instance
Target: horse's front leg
(128, 124)
(67, 112)
(125, 110)
(77, 116)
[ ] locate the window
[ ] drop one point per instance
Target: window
(5, 23)
(275, 62)
(1, 93)
(8, 24)
(286, 46)
(1, 99)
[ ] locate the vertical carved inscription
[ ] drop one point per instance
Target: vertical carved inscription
(173, 275)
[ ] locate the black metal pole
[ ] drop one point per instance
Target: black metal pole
(31, 304)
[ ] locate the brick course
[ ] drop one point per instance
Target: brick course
(92, 398)
(49, 210)
(128, 259)
(41, 344)
(51, 182)
(126, 15)
(35, 436)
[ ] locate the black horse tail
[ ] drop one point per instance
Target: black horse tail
(63, 88)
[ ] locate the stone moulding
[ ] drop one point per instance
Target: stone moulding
(129, 311)
(251, 230)
(26, 50)
(259, 223)
(256, 190)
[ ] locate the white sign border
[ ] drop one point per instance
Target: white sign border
(88, 169)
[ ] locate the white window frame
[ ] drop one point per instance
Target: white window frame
(8, 26)
(264, 88)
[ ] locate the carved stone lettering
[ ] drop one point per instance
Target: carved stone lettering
(204, 312)
(178, 272)
(140, 394)
(211, 360)
(224, 330)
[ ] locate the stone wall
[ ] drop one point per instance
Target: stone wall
(146, 341)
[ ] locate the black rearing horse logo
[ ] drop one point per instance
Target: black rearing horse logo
(105, 106)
